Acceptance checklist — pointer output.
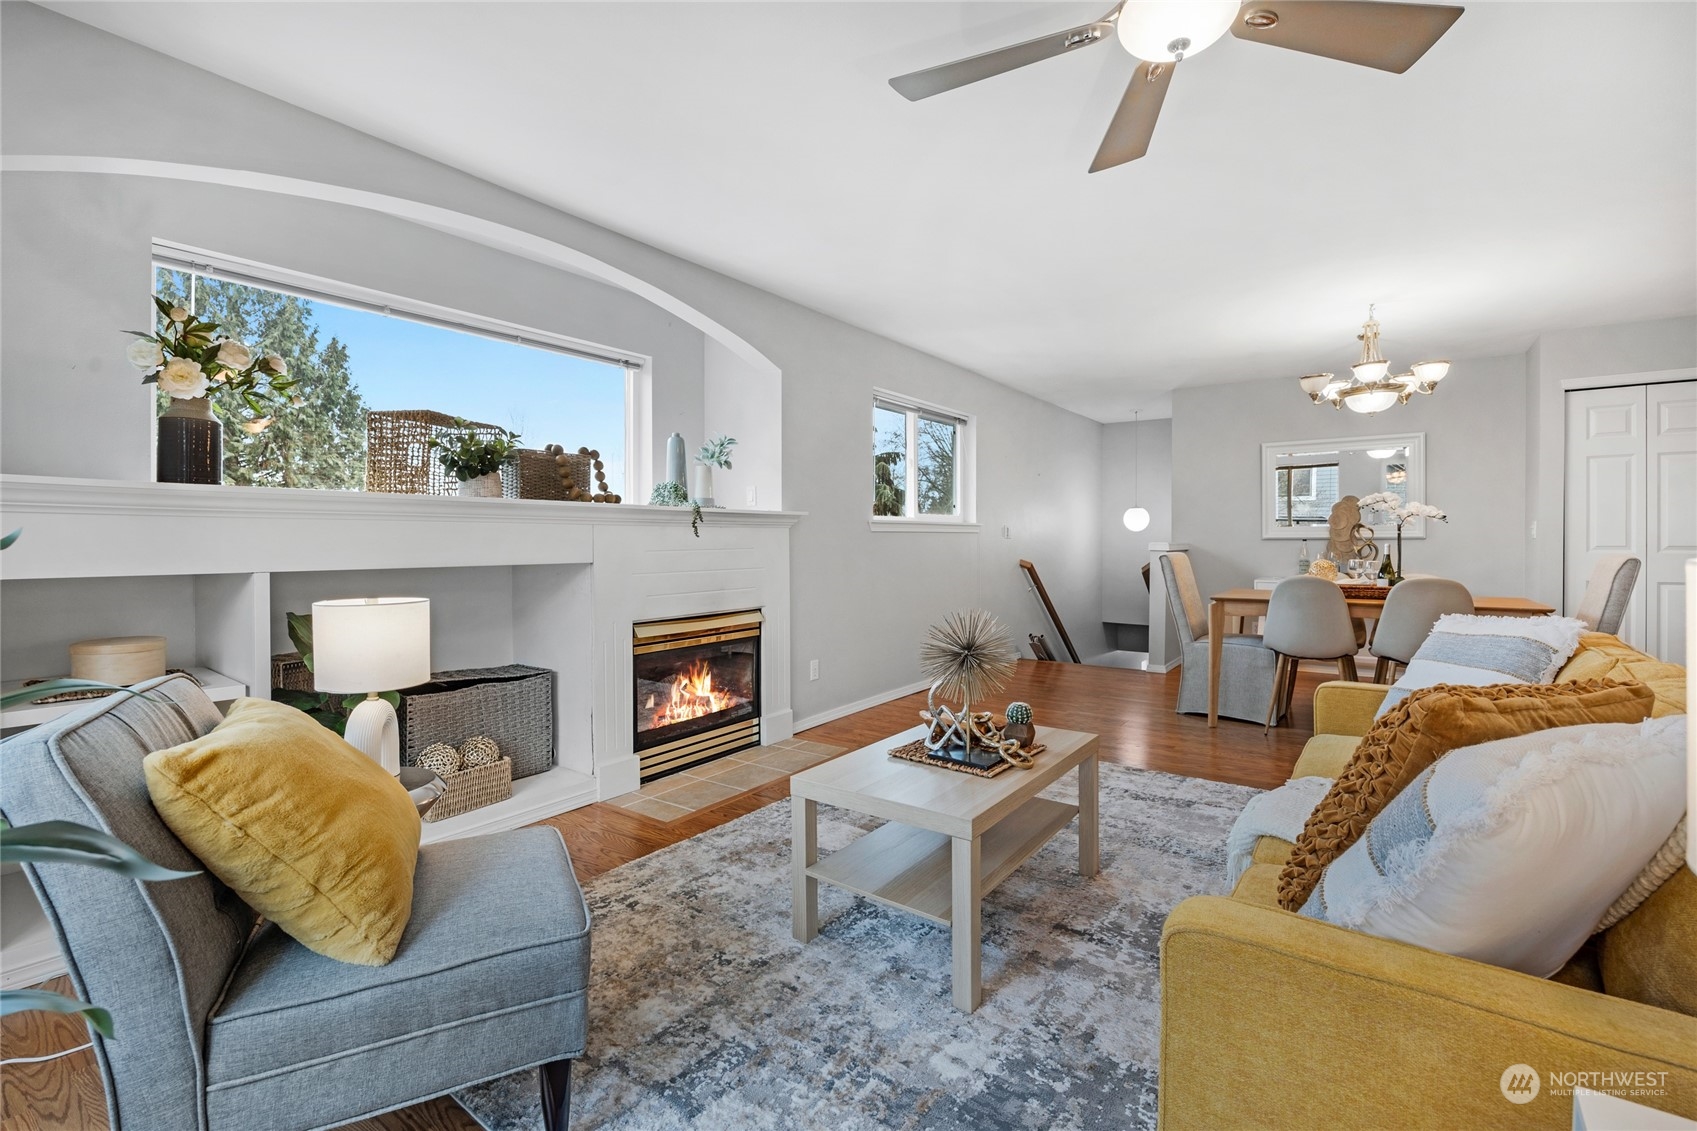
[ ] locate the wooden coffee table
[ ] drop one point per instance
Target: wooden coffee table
(951, 837)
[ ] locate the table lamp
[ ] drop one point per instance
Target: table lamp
(371, 644)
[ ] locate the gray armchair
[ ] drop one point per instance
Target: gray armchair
(1608, 592)
(224, 1028)
(1246, 668)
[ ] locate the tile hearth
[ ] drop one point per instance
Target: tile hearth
(680, 794)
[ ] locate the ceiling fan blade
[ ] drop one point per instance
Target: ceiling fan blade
(1389, 37)
(935, 80)
(1128, 134)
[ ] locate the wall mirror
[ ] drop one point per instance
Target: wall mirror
(1302, 479)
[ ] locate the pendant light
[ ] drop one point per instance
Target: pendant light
(1137, 518)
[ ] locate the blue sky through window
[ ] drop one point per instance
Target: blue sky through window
(547, 397)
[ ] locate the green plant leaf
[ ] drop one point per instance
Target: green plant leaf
(393, 698)
(300, 635)
(48, 688)
(64, 842)
(6, 541)
(41, 1001)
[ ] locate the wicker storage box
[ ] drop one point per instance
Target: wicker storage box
(288, 673)
(473, 789)
(532, 475)
(399, 459)
(514, 705)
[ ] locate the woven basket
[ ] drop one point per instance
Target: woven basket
(1365, 592)
(579, 468)
(514, 705)
(399, 459)
(532, 475)
(473, 789)
(289, 673)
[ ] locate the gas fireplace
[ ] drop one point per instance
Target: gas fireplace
(697, 690)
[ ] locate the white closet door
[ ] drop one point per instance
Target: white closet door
(1605, 491)
(1670, 420)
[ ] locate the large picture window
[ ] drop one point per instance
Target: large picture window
(351, 360)
(920, 461)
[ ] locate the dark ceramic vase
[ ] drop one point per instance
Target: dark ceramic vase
(191, 443)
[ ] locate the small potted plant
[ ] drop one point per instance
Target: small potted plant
(715, 453)
(474, 457)
(193, 361)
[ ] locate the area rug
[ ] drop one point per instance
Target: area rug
(706, 1015)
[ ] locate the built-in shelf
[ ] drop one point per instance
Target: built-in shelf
(218, 687)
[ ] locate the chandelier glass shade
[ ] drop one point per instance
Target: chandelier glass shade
(1371, 386)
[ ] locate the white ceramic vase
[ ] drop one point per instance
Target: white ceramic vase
(701, 485)
(482, 487)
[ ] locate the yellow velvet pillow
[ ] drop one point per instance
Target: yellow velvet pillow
(1650, 955)
(1423, 728)
(314, 835)
(1603, 656)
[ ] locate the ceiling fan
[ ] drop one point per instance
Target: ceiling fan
(1162, 33)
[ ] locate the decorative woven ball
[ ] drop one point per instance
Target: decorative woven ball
(440, 759)
(480, 750)
(1019, 714)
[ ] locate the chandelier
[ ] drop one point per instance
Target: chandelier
(1371, 387)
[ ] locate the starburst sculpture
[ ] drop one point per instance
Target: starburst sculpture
(967, 656)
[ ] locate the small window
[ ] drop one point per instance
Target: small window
(920, 468)
(1306, 494)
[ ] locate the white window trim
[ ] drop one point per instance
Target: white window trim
(965, 518)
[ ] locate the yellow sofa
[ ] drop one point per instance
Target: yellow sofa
(1271, 1020)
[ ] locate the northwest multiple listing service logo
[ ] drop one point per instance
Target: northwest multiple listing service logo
(1519, 1083)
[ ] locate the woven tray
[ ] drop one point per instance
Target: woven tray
(87, 692)
(915, 752)
(473, 789)
(1365, 592)
(514, 705)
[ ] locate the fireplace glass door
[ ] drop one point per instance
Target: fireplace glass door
(696, 690)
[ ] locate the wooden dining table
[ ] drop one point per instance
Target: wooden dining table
(1253, 603)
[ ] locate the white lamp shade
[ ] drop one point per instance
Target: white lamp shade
(1149, 28)
(1376, 401)
(370, 644)
(1316, 383)
(1136, 519)
(1382, 453)
(1430, 372)
(1368, 372)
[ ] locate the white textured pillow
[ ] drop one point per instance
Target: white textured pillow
(1478, 651)
(1509, 852)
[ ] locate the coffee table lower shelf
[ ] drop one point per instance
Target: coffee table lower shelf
(908, 868)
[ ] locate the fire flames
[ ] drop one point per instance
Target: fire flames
(692, 697)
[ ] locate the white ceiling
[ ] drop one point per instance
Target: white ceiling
(1537, 169)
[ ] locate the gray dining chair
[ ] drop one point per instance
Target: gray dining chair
(1607, 593)
(1411, 609)
(224, 1027)
(1246, 668)
(1307, 619)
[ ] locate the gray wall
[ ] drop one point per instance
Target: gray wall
(82, 242)
(1475, 470)
(1124, 599)
(1581, 354)
(861, 599)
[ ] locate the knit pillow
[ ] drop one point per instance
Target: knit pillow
(1423, 728)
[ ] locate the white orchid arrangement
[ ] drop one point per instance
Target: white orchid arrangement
(190, 358)
(1399, 512)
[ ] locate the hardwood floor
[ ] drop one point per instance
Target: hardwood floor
(1131, 711)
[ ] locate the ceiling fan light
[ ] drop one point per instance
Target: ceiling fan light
(1151, 29)
(1367, 372)
(1430, 372)
(1375, 401)
(1136, 519)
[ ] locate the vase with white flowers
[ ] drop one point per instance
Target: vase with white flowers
(1401, 513)
(192, 362)
(714, 453)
